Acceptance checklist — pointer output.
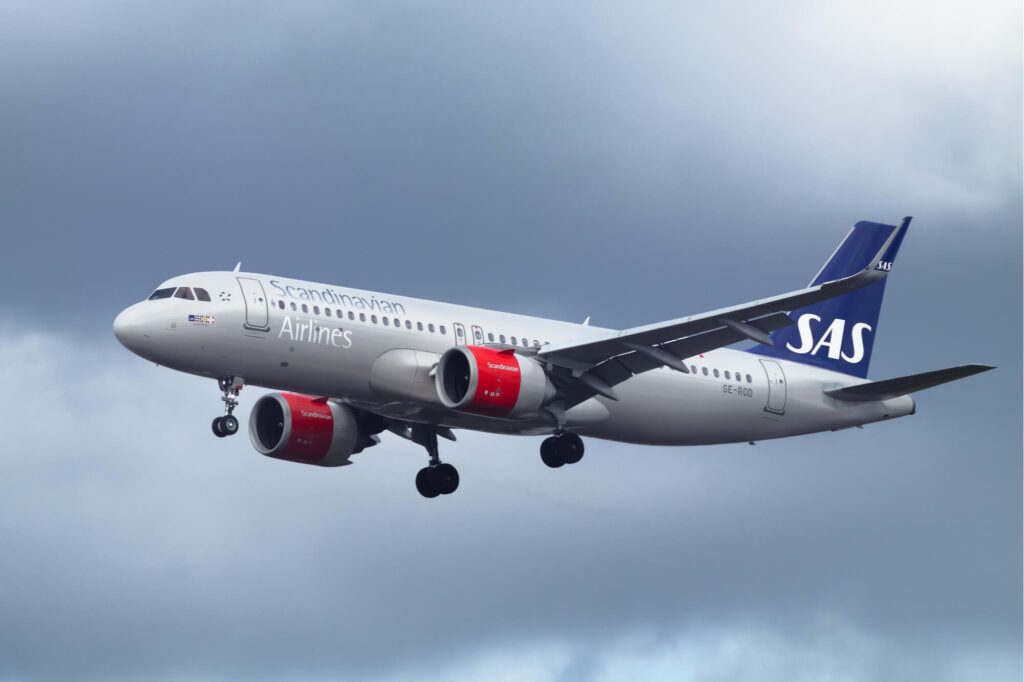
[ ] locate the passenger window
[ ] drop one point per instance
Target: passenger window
(202, 294)
(327, 312)
(716, 373)
(525, 342)
(305, 308)
(184, 292)
(293, 306)
(441, 329)
(501, 338)
(431, 328)
(373, 318)
(161, 293)
(459, 331)
(316, 310)
(280, 304)
(385, 321)
(536, 342)
(749, 380)
(408, 324)
(514, 342)
(419, 326)
(351, 315)
(704, 371)
(490, 336)
(727, 374)
(693, 369)
(398, 322)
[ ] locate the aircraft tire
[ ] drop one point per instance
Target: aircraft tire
(550, 453)
(218, 427)
(448, 478)
(428, 483)
(229, 424)
(570, 447)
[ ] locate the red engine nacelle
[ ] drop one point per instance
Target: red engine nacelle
(303, 429)
(496, 383)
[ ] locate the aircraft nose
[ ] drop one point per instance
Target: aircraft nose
(128, 327)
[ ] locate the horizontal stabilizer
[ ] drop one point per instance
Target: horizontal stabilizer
(891, 388)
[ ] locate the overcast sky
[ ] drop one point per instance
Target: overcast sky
(624, 161)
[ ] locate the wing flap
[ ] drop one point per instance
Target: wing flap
(892, 388)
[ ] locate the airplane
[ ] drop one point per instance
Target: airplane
(350, 364)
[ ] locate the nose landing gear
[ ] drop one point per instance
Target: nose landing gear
(562, 448)
(228, 424)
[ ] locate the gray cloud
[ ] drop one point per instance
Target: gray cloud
(134, 546)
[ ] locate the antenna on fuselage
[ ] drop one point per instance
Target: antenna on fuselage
(238, 267)
(586, 322)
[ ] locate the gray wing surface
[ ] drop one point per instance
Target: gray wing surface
(892, 388)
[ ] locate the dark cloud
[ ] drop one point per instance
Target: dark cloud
(630, 165)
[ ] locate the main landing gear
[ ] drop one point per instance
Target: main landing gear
(561, 448)
(228, 424)
(437, 478)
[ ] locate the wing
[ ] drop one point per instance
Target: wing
(593, 367)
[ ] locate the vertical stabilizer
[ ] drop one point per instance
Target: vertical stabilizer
(839, 333)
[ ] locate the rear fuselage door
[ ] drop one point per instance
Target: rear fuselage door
(776, 387)
(478, 334)
(256, 309)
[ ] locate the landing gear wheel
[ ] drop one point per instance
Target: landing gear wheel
(438, 478)
(218, 427)
(570, 446)
(229, 424)
(448, 478)
(550, 452)
(428, 482)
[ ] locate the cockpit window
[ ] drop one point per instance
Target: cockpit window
(161, 293)
(202, 294)
(184, 292)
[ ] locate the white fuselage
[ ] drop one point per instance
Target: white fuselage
(377, 351)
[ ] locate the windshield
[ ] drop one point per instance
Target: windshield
(161, 293)
(181, 292)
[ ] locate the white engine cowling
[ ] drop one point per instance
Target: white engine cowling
(299, 428)
(491, 382)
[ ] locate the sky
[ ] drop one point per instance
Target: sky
(628, 162)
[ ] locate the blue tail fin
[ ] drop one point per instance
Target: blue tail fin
(838, 334)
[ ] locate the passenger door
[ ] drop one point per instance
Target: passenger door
(257, 315)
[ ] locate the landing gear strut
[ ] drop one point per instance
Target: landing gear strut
(561, 448)
(437, 478)
(228, 424)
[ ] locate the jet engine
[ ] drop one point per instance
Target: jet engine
(302, 429)
(491, 382)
